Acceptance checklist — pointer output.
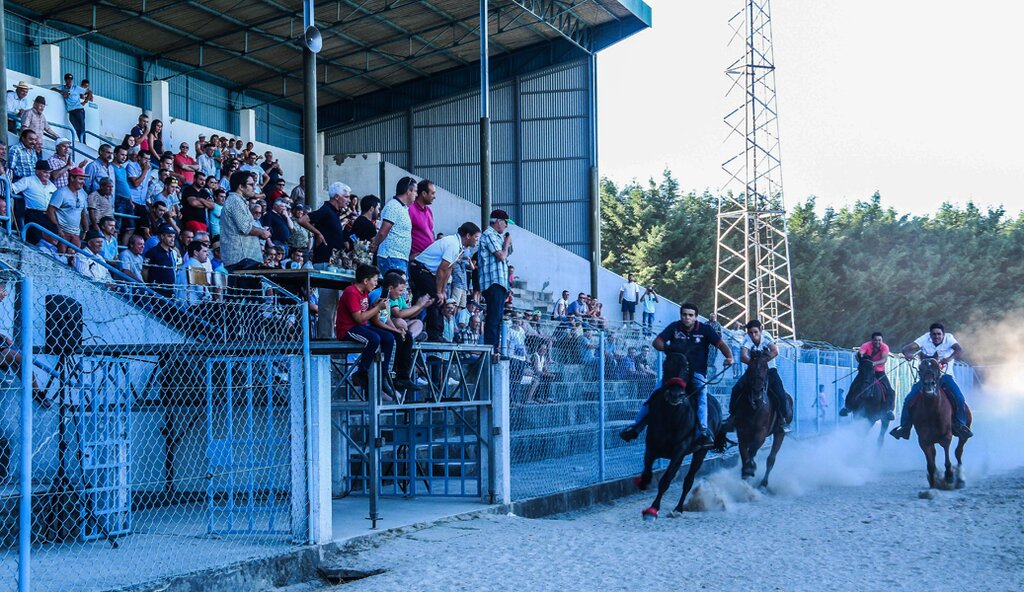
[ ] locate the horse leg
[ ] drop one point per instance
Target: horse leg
(960, 463)
(949, 464)
(644, 480)
(883, 431)
(651, 513)
(696, 461)
(777, 439)
(750, 469)
(744, 456)
(929, 456)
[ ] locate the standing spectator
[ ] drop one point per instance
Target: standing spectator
(67, 208)
(272, 168)
(422, 217)
(154, 144)
(275, 190)
(99, 168)
(61, 162)
(131, 258)
(101, 203)
(17, 104)
(207, 162)
(184, 165)
(122, 189)
(90, 264)
(365, 226)
(495, 248)
(629, 294)
(200, 142)
(561, 311)
(299, 191)
(649, 304)
(108, 228)
(432, 269)
(299, 240)
(141, 129)
(139, 174)
(394, 239)
(75, 98)
(196, 203)
(251, 166)
(219, 197)
(160, 267)
(325, 224)
(241, 235)
(460, 277)
(352, 322)
(37, 191)
(279, 221)
(34, 119)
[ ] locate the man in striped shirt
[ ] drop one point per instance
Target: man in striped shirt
(495, 248)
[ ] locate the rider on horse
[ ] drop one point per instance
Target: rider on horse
(761, 342)
(693, 339)
(936, 343)
(877, 351)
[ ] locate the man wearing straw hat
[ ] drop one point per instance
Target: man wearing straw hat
(17, 104)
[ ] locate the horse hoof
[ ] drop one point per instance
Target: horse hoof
(960, 484)
(649, 515)
(639, 482)
(675, 514)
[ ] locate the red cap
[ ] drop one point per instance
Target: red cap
(76, 172)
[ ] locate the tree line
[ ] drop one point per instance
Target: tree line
(861, 268)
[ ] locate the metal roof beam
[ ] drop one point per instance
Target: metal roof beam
(561, 18)
(405, 32)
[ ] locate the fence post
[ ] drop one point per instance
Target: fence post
(600, 408)
(372, 393)
(25, 464)
(818, 396)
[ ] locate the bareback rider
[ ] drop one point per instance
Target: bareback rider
(760, 341)
(936, 343)
(877, 351)
(694, 339)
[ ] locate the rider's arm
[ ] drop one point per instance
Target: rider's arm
(745, 355)
(659, 343)
(910, 349)
(773, 351)
(958, 352)
(722, 347)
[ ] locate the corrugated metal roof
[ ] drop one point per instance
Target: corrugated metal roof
(369, 45)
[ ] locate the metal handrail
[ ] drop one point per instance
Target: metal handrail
(103, 139)
(5, 189)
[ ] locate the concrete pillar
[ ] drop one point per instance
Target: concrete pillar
(321, 522)
(49, 66)
(500, 395)
(160, 104)
(247, 125)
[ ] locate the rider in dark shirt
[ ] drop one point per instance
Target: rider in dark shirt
(693, 339)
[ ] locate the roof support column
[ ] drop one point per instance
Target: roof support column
(595, 180)
(309, 124)
(485, 121)
(49, 65)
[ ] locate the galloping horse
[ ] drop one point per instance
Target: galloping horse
(869, 393)
(932, 417)
(756, 418)
(672, 431)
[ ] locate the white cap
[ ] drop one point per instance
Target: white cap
(62, 141)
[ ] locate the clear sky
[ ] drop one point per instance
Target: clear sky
(919, 100)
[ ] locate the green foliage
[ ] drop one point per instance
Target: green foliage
(860, 269)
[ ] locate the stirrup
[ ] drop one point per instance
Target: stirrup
(900, 432)
(962, 431)
(844, 412)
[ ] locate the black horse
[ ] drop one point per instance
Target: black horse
(868, 398)
(672, 430)
(756, 418)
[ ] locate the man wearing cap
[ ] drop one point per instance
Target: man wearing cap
(37, 191)
(393, 242)
(99, 168)
(101, 203)
(184, 165)
(61, 162)
(67, 208)
(161, 262)
(73, 95)
(17, 104)
(495, 248)
(432, 269)
(90, 265)
(422, 217)
(34, 119)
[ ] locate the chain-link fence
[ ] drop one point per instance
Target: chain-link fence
(167, 432)
(576, 385)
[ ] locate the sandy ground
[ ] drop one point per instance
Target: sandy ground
(839, 516)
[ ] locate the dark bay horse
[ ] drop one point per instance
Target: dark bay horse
(932, 417)
(872, 402)
(756, 418)
(672, 431)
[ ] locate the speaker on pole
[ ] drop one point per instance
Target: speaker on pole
(63, 325)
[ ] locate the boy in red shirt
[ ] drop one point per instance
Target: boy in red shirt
(352, 322)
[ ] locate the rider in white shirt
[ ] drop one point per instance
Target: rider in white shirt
(758, 340)
(936, 343)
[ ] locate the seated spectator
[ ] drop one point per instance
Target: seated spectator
(298, 194)
(561, 311)
(275, 190)
(196, 204)
(17, 104)
(352, 323)
(405, 315)
(185, 238)
(34, 119)
(108, 228)
(91, 264)
(185, 166)
(131, 258)
(195, 278)
(249, 165)
(448, 325)
(393, 288)
(101, 203)
(160, 267)
(578, 307)
(296, 260)
(279, 221)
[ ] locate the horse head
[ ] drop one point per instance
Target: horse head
(865, 366)
(758, 368)
(675, 371)
(930, 372)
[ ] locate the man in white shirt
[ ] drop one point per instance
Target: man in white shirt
(91, 265)
(432, 269)
(629, 294)
(760, 342)
(936, 343)
(17, 102)
(561, 307)
(37, 191)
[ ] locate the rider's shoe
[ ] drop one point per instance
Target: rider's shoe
(629, 434)
(890, 416)
(962, 431)
(787, 428)
(901, 432)
(705, 440)
(844, 412)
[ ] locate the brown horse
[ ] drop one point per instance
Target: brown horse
(872, 402)
(932, 417)
(756, 418)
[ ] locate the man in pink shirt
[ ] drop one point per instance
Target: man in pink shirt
(422, 217)
(878, 352)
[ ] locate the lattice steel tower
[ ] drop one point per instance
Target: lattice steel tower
(752, 278)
